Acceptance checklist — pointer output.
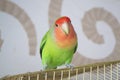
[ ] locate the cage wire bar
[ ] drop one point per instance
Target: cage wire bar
(97, 71)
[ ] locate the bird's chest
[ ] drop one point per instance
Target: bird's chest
(57, 52)
(60, 56)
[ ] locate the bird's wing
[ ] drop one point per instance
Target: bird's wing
(75, 48)
(44, 39)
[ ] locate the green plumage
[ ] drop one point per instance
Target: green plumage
(52, 55)
(58, 44)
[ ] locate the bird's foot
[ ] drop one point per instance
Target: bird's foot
(70, 66)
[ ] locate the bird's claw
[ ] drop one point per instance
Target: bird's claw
(70, 66)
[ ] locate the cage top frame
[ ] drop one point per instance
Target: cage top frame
(57, 72)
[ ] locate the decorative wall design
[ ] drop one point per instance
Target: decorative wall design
(89, 27)
(89, 24)
(11, 8)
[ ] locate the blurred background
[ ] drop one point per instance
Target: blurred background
(23, 23)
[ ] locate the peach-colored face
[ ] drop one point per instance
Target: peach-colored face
(64, 32)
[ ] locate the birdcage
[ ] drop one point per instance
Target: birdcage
(98, 71)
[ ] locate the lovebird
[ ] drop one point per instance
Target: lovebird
(59, 44)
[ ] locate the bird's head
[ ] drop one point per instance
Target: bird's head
(62, 25)
(64, 30)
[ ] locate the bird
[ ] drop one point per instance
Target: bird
(59, 44)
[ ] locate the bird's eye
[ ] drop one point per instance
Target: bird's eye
(56, 25)
(70, 21)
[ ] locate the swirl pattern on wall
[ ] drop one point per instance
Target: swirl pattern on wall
(88, 24)
(14, 10)
(101, 14)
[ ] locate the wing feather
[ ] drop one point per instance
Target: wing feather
(75, 48)
(43, 42)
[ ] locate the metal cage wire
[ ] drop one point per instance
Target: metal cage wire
(98, 71)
